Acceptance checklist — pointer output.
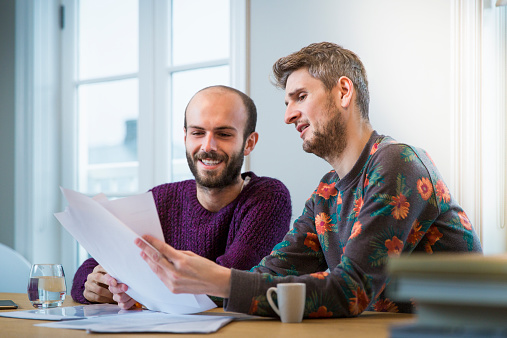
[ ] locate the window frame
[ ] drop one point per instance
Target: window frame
(154, 156)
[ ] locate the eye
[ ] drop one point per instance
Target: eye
(225, 135)
(197, 133)
(302, 97)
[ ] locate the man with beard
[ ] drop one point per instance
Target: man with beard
(383, 198)
(230, 218)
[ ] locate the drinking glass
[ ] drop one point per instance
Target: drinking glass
(46, 287)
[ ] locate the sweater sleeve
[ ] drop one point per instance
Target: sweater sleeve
(298, 258)
(78, 284)
(260, 221)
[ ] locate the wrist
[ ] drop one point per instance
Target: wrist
(222, 282)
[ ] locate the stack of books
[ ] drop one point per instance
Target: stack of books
(455, 295)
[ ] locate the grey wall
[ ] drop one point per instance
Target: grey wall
(405, 47)
(7, 118)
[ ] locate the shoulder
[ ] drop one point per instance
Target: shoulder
(264, 184)
(328, 180)
(398, 164)
(168, 189)
(331, 177)
(393, 154)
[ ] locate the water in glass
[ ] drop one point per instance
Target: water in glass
(46, 287)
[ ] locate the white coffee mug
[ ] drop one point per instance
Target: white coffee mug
(291, 301)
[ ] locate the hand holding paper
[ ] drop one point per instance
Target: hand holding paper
(184, 271)
(96, 286)
(107, 230)
(120, 294)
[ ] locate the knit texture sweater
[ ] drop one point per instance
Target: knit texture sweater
(392, 201)
(237, 236)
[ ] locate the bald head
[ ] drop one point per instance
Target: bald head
(228, 94)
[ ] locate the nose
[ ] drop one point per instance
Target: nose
(291, 114)
(209, 143)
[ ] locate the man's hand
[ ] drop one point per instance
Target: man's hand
(118, 290)
(184, 271)
(96, 286)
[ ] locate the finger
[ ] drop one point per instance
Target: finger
(157, 262)
(97, 293)
(110, 280)
(121, 297)
(146, 246)
(99, 269)
(120, 288)
(124, 301)
(159, 248)
(98, 277)
(95, 285)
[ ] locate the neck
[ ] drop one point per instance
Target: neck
(356, 141)
(214, 199)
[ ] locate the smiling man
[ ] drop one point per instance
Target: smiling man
(231, 218)
(381, 199)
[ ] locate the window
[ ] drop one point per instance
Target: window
(129, 68)
(107, 95)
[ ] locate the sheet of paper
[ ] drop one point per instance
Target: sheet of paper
(107, 230)
(68, 312)
(146, 322)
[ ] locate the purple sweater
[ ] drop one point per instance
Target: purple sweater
(238, 236)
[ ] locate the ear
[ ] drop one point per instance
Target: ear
(250, 143)
(346, 89)
(184, 135)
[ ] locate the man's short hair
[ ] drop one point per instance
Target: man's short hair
(327, 62)
(250, 108)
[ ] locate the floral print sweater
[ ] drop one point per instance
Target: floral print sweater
(393, 201)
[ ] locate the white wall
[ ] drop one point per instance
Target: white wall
(405, 47)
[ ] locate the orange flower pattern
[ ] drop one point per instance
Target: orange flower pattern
(415, 234)
(312, 241)
(385, 305)
(356, 230)
(358, 302)
(352, 225)
(374, 149)
(463, 218)
(322, 223)
(321, 313)
(442, 192)
(400, 207)
(394, 246)
(358, 205)
(320, 275)
(254, 305)
(326, 190)
(425, 188)
(433, 235)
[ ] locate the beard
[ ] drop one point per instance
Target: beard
(328, 140)
(216, 179)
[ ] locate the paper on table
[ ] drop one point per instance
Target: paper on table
(146, 322)
(68, 312)
(107, 230)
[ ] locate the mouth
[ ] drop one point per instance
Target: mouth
(209, 163)
(210, 160)
(301, 128)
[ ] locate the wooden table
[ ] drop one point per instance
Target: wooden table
(369, 324)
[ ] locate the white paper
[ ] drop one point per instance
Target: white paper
(146, 322)
(68, 312)
(107, 230)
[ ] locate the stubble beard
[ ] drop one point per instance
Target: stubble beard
(216, 179)
(328, 141)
